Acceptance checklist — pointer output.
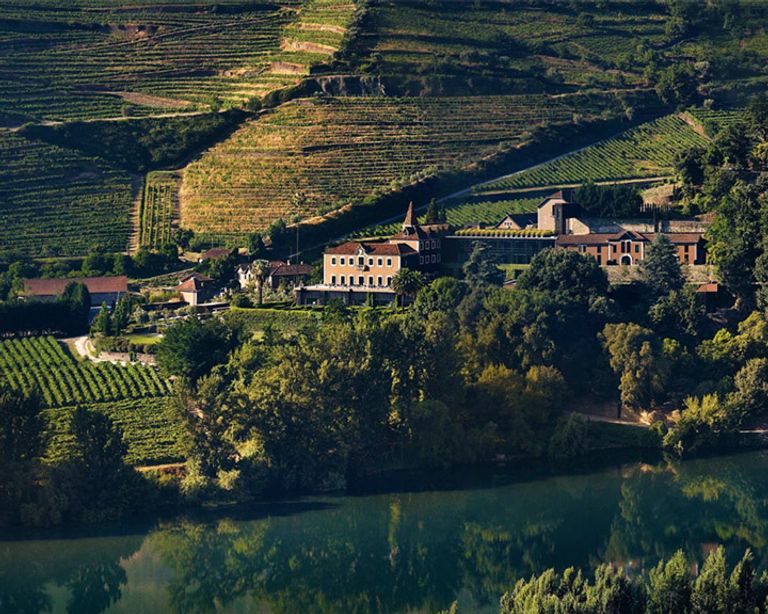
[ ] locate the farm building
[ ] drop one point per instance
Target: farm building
(628, 247)
(196, 289)
(102, 289)
(279, 274)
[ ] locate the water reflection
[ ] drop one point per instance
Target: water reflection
(403, 552)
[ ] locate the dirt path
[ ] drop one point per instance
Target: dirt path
(137, 188)
(694, 124)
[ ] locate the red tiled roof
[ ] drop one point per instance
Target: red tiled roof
(217, 252)
(95, 285)
(375, 249)
(291, 270)
(193, 283)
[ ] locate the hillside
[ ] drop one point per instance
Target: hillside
(379, 96)
(312, 156)
(82, 59)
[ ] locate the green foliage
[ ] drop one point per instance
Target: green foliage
(139, 145)
(617, 201)
(407, 283)
(660, 269)
(565, 275)
(481, 269)
(190, 348)
(635, 357)
(22, 427)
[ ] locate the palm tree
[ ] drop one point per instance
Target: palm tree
(407, 283)
(260, 272)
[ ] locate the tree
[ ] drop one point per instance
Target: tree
(98, 448)
(102, 323)
(260, 272)
(435, 213)
(481, 268)
(660, 269)
(669, 587)
(190, 348)
(444, 294)
(677, 85)
(407, 283)
(757, 114)
(565, 275)
(749, 399)
(710, 591)
(636, 359)
(23, 435)
(207, 414)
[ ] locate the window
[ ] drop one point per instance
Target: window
(686, 249)
(333, 260)
(599, 250)
(361, 261)
(361, 281)
(389, 281)
(333, 280)
(378, 281)
(421, 259)
(343, 280)
(637, 248)
(438, 244)
(434, 244)
(389, 261)
(342, 261)
(370, 280)
(434, 259)
(351, 261)
(438, 257)
(370, 261)
(379, 261)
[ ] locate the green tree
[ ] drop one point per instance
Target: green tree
(407, 283)
(566, 276)
(660, 269)
(190, 348)
(102, 323)
(444, 294)
(711, 590)
(481, 267)
(260, 272)
(635, 357)
(749, 399)
(23, 435)
(669, 586)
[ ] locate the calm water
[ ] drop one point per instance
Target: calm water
(405, 552)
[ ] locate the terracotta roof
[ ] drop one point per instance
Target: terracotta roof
(95, 285)
(709, 288)
(678, 238)
(193, 283)
(377, 249)
(291, 270)
(216, 252)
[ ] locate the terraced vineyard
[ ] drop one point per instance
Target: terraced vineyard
(461, 213)
(42, 363)
(645, 151)
(335, 151)
(714, 120)
(150, 428)
(55, 201)
(158, 208)
(82, 59)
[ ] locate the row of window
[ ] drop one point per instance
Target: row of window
(360, 261)
(429, 259)
(361, 281)
(433, 244)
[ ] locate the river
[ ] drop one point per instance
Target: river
(467, 539)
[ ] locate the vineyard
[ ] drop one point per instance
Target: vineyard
(713, 121)
(82, 59)
(313, 156)
(504, 46)
(463, 213)
(55, 201)
(150, 428)
(42, 363)
(158, 208)
(646, 151)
